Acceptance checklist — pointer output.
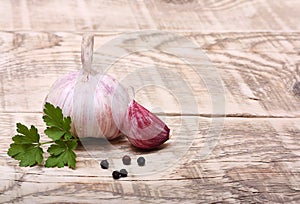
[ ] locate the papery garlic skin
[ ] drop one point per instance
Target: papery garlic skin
(90, 104)
(110, 106)
(61, 94)
(144, 129)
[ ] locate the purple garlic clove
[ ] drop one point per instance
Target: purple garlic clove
(144, 129)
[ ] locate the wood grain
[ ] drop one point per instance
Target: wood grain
(254, 161)
(124, 15)
(255, 47)
(257, 82)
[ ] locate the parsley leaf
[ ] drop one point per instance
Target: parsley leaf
(26, 147)
(54, 133)
(61, 154)
(58, 125)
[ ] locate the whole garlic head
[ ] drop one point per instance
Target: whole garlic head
(97, 103)
(91, 118)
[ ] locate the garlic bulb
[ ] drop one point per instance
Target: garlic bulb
(100, 106)
(88, 97)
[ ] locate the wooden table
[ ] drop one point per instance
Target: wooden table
(254, 45)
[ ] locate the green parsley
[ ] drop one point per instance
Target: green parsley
(62, 154)
(26, 147)
(58, 125)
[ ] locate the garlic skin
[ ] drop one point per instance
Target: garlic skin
(61, 94)
(144, 129)
(62, 91)
(91, 117)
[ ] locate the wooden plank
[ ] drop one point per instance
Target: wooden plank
(255, 160)
(258, 78)
(77, 15)
(253, 44)
(225, 15)
(127, 15)
(154, 192)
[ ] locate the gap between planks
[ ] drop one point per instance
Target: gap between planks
(246, 115)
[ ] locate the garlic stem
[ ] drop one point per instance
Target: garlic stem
(48, 142)
(131, 93)
(87, 46)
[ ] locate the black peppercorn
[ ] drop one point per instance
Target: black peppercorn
(141, 161)
(126, 160)
(116, 174)
(104, 164)
(123, 173)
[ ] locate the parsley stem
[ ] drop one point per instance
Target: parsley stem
(48, 142)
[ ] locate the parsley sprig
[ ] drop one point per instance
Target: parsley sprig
(26, 146)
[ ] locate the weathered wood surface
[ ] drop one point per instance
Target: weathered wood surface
(255, 47)
(223, 15)
(254, 161)
(258, 78)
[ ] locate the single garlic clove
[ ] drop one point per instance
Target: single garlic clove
(144, 129)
